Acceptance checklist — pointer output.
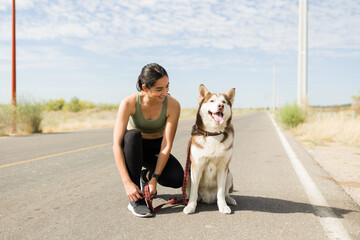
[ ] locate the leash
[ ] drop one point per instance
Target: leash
(186, 174)
(173, 200)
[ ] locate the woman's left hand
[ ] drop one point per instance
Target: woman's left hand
(152, 186)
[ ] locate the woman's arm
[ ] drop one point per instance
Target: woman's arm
(126, 108)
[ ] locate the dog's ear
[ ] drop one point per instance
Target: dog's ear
(202, 92)
(230, 95)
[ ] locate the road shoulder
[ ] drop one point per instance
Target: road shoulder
(341, 162)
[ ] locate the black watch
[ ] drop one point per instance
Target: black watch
(156, 176)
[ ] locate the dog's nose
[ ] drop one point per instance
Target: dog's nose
(220, 106)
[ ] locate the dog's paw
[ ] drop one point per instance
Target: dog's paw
(230, 200)
(224, 209)
(190, 208)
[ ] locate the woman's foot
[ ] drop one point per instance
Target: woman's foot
(139, 208)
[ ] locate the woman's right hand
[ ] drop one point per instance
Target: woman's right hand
(133, 192)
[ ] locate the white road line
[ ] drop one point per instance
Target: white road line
(330, 223)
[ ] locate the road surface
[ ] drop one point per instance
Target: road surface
(66, 186)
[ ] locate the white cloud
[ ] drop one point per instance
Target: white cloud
(20, 4)
(5, 52)
(112, 27)
(40, 57)
(334, 24)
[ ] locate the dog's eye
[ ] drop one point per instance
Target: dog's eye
(212, 101)
(224, 102)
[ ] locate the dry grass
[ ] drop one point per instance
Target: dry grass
(57, 121)
(187, 113)
(329, 130)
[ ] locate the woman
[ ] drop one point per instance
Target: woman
(144, 132)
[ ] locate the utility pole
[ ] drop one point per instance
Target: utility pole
(273, 107)
(302, 91)
(13, 75)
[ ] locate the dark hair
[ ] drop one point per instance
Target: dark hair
(149, 75)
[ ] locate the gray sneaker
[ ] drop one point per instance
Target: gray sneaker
(139, 208)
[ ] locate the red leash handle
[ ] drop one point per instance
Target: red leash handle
(148, 197)
(173, 200)
(149, 200)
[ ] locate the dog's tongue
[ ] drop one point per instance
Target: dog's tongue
(218, 118)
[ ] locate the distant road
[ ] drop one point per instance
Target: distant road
(66, 186)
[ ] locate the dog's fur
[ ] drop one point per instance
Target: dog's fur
(210, 154)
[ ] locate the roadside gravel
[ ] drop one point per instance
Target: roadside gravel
(341, 162)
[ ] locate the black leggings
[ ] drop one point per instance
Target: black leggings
(139, 152)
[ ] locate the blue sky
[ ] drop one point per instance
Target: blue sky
(95, 49)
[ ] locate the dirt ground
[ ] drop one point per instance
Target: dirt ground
(341, 162)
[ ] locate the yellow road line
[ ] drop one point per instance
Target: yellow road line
(53, 155)
(68, 152)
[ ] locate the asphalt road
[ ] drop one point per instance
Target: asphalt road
(66, 186)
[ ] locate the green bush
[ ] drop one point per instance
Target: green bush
(4, 120)
(28, 116)
(106, 106)
(73, 106)
(54, 105)
(86, 105)
(356, 103)
(291, 115)
(76, 105)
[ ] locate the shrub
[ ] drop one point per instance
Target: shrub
(4, 120)
(86, 105)
(106, 106)
(28, 116)
(54, 105)
(291, 115)
(356, 103)
(73, 106)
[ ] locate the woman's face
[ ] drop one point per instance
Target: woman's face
(160, 89)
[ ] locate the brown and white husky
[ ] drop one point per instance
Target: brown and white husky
(210, 152)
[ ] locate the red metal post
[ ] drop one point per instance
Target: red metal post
(13, 85)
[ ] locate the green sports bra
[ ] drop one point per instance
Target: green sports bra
(138, 121)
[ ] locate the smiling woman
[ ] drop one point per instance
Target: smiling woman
(144, 132)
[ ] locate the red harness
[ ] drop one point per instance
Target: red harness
(173, 200)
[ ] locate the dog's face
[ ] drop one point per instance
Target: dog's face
(215, 109)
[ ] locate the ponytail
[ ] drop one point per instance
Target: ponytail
(149, 75)
(139, 84)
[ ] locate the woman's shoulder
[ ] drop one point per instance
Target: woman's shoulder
(173, 101)
(130, 99)
(129, 103)
(173, 104)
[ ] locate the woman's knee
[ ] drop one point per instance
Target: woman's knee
(132, 145)
(174, 176)
(132, 137)
(178, 181)
(133, 134)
